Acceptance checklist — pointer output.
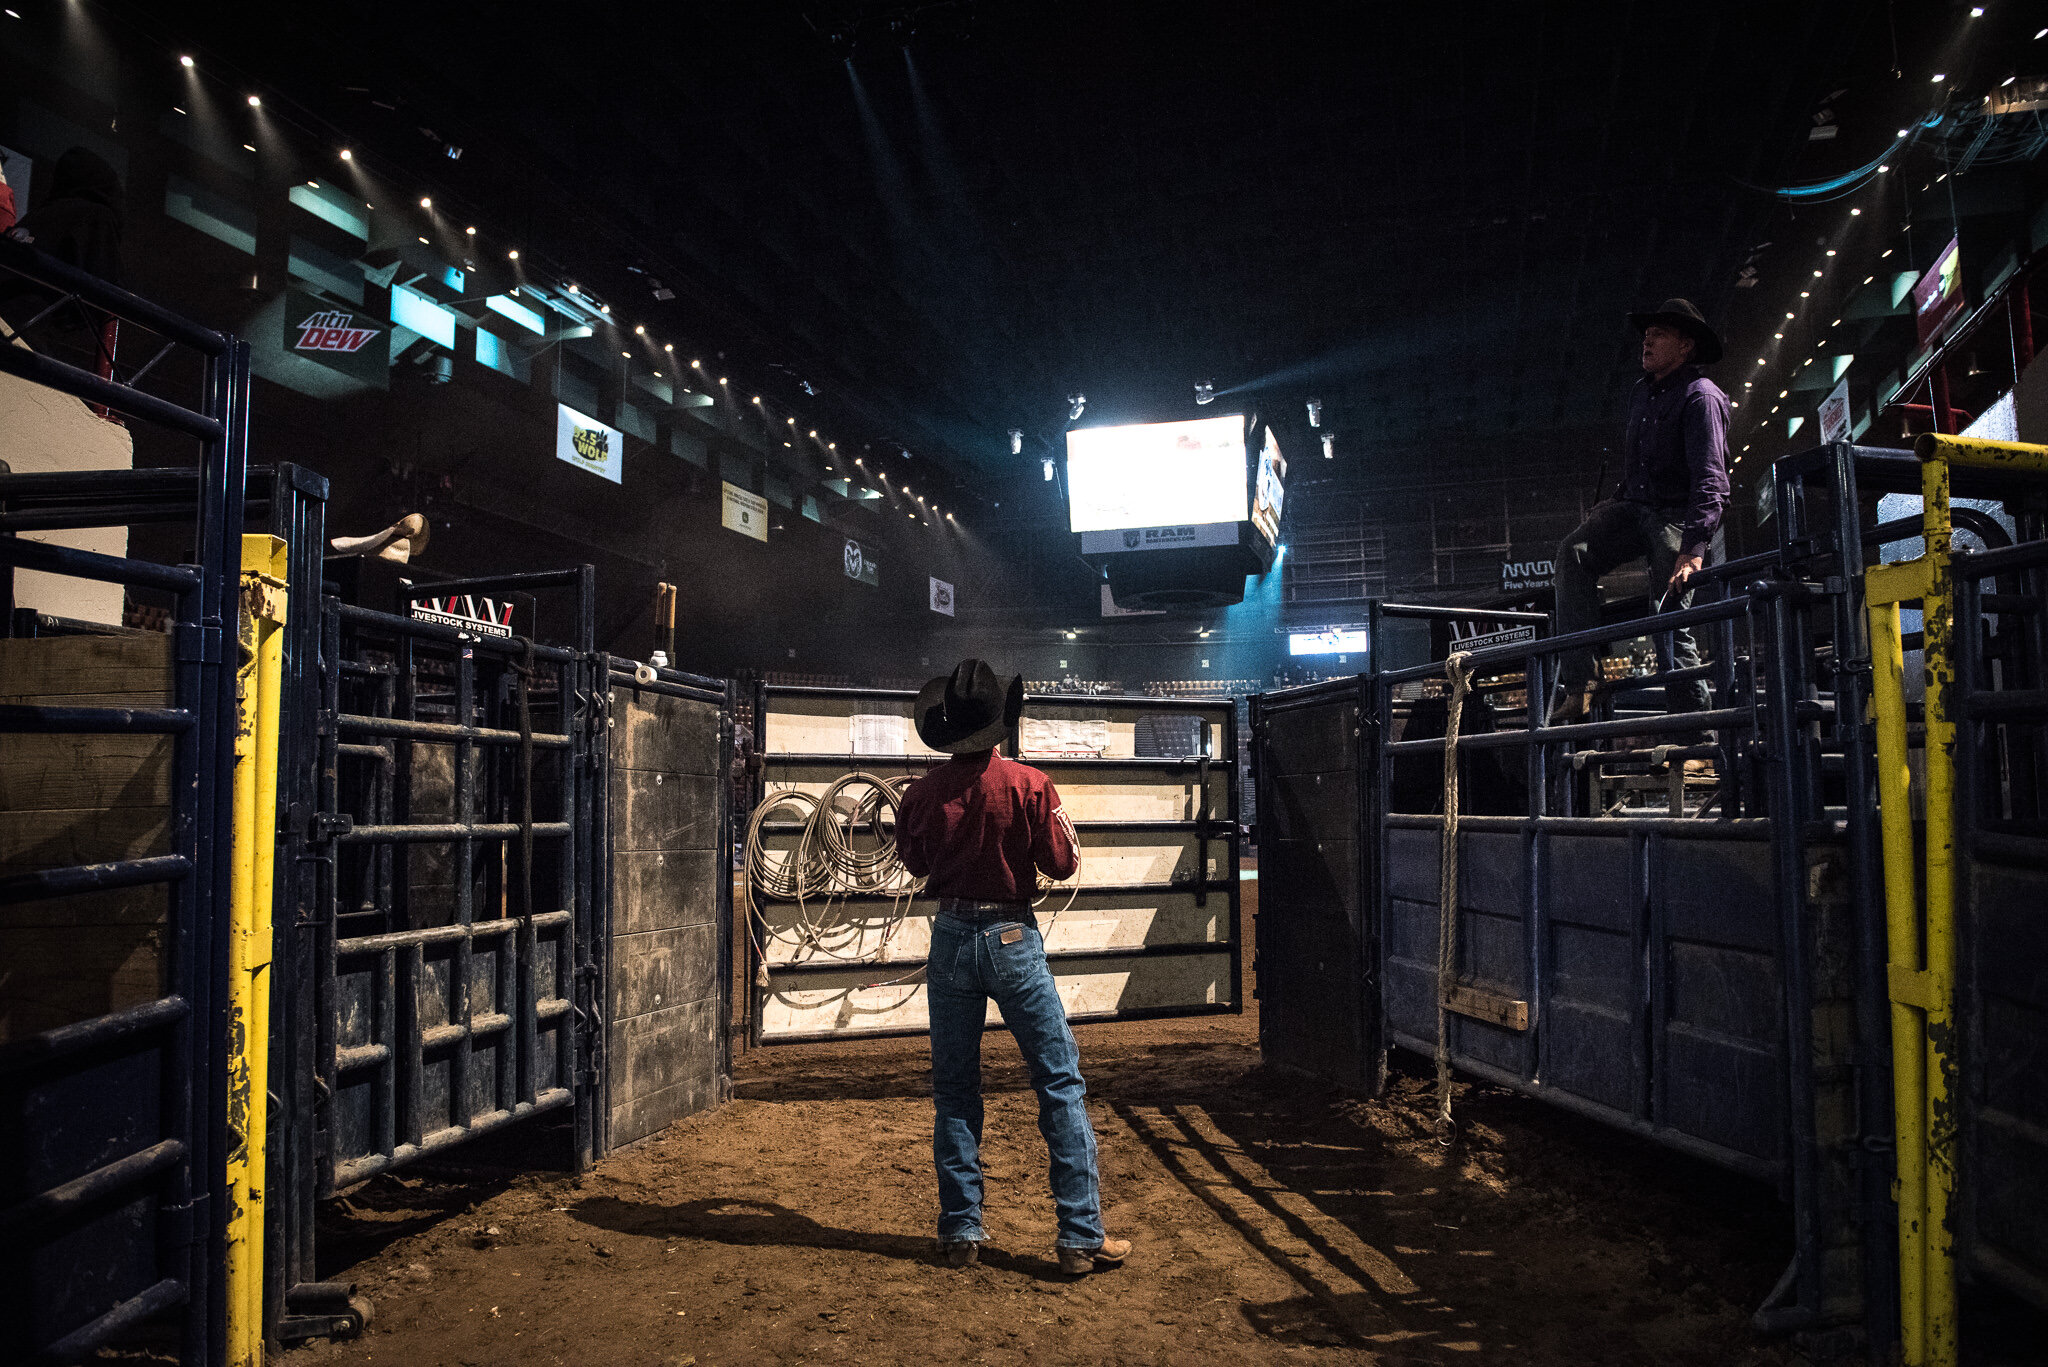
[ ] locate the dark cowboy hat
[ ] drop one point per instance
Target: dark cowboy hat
(1681, 314)
(968, 710)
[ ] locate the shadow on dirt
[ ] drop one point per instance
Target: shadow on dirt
(748, 1223)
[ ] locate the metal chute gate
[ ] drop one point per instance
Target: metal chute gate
(443, 978)
(1150, 930)
(112, 1201)
(1700, 960)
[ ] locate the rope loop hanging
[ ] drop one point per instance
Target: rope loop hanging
(1457, 671)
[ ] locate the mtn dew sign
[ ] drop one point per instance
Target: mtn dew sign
(588, 444)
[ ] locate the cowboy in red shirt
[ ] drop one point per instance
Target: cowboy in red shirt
(979, 829)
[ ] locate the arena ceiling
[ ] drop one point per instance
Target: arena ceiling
(944, 218)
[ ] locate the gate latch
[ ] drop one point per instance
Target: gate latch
(330, 825)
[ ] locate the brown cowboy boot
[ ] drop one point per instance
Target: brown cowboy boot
(1079, 1262)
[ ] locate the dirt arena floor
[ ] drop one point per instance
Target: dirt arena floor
(1275, 1221)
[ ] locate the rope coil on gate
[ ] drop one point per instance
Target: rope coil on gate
(1458, 671)
(826, 863)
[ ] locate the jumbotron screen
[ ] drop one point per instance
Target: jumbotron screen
(1156, 474)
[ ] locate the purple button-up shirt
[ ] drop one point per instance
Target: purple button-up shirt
(1676, 451)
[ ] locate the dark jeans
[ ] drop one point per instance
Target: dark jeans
(1614, 533)
(972, 963)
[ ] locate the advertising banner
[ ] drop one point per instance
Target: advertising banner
(1938, 298)
(589, 445)
(466, 612)
(859, 563)
(1530, 575)
(942, 597)
(744, 512)
(1834, 413)
(339, 338)
(1159, 538)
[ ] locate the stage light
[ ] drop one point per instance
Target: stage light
(792, 422)
(573, 289)
(1016, 441)
(426, 202)
(831, 446)
(248, 147)
(1045, 462)
(668, 346)
(470, 231)
(1882, 169)
(698, 365)
(1205, 391)
(1831, 252)
(1937, 78)
(1759, 360)
(255, 101)
(627, 354)
(1315, 412)
(185, 62)
(1806, 294)
(1077, 404)
(1816, 274)
(347, 155)
(1779, 335)
(1073, 635)
(757, 397)
(422, 239)
(1789, 315)
(512, 255)
(1976, 11)
(721, 379)
(1329, 446)
(604, 308)
(639, 331)
(814, 434)
(1855, 213)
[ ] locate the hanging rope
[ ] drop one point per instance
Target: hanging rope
(845, 847)
(1457, 671)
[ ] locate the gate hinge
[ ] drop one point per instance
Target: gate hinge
(198, 644)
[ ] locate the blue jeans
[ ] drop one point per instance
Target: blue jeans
(970, 964)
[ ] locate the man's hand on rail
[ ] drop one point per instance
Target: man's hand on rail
(1686, 568)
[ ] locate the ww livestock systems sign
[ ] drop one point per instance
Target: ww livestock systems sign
(466, 612)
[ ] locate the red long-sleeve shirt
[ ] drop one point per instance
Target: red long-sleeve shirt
(980, 827)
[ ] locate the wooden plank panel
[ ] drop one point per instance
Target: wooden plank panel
(652, 810)
(662, 968)
(647, 1115)
(659, 1049)
(663, 889)
(70, 666)
(55, 839)
(657, 731)
(60, 771)
(54, 975)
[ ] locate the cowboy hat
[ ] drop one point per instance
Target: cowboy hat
(401, 541)
(970, 709)
(1683, 315)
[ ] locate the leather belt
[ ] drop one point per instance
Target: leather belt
(964, 909)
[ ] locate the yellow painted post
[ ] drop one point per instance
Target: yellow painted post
(1937, 616)
(1885, 586)
(257, 682)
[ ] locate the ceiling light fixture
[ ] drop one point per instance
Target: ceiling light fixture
(1205, 391)
(185, 62)
(347, 155)
(1937, 78)
(1329, 446)
(255, 101)
(426, 202)
(639, 330)
(470, 231)
(1077, 404)
(1315, 412)
(1045, 464)
(512, 255)
(1016, 441)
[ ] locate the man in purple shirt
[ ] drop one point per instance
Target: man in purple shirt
(1674, 485)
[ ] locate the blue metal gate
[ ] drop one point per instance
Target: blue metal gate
(112, 1128)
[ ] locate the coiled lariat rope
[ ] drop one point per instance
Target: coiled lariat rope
(1458, 672)
(845, 846)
